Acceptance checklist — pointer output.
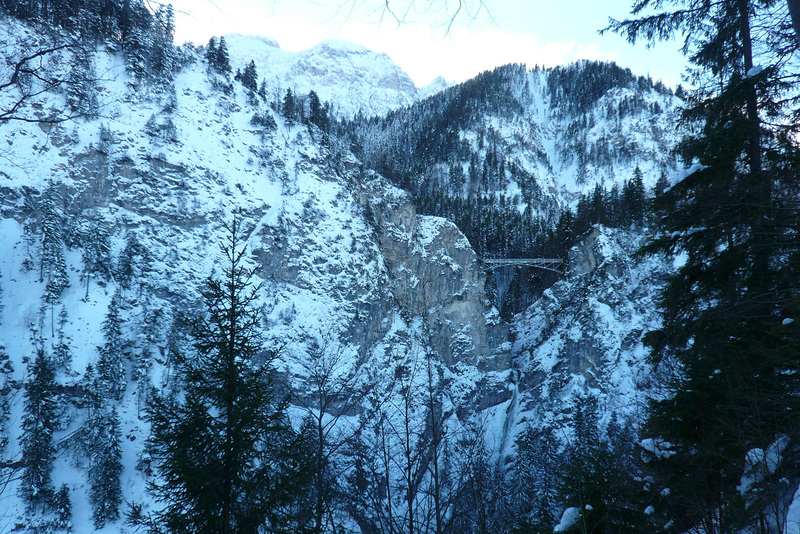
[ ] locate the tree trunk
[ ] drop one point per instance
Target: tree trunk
(754, 127)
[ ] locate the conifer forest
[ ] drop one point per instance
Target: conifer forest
(246, 290)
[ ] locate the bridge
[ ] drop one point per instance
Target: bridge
(549, 264)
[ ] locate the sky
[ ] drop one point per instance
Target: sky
(533, 32)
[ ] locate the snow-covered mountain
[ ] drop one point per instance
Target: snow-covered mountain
(377, 290)
(347, 75)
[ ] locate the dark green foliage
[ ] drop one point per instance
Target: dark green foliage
(163, 55)
(218, 57)
(599, 480)
(226, 455)
(144, 36)
(111, 363)
(211, 54)
(317, 112)
(289, 107)
(735, 219)
(534, 479)
(52, 268)
(39, 421)
(578, 87)
(6, 391)
(62, 508)
(81, 95)
(264, 120)
(134, 262)
(102, 438)
(96, 244)
(62, 354)
(249, 77)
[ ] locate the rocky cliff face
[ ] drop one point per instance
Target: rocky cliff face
(585, 333)
(352, 78)
(352, 273)
(435, 274)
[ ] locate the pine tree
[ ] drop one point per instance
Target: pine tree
(96, 254)
(62, 355)
(289, 107)
(662, 184)
(163, 56)
(103, 435)
(534, 479)
(6, 392)
(52, 266)
(136, 33)
(734, 218)
(111, 363)
(39, 421)
(134, 263)
(226, 455)
(317, 113)
(222, 62)
(595, 480)
(249, 78)
(211, 53)
(62, 507)
(81, 96)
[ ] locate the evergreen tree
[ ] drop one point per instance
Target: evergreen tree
(534, 479)
(737, 382)
(134, 262)
(262, 89)
(96, 253)
(6, 392)
(111, 363)
(662, 184)
(249, 78)
(62, 507)
(80, 93)
(634, 199)
(317, 113)
(137, 39)
(595, 480)
(211, 54)
(39, 421)
(52, 268)
(289, 107)
(226, 455)
(222, 62)
(62, 355)
(103, 436)
(162, 55)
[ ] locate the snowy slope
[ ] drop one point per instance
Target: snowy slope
(355, 280)
(556, 143)
(585, 334)
(349, 76)
(346, 262)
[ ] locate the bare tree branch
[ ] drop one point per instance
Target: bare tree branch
(32, 68)
(447, 12)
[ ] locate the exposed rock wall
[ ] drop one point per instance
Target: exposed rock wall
(434, 273)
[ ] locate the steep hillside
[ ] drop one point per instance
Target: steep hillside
(427, 390)
(525, 162)
(136, 200)
(351, 77)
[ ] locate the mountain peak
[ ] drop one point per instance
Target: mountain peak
(338, 45)
(253, 42)
(350, 75)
